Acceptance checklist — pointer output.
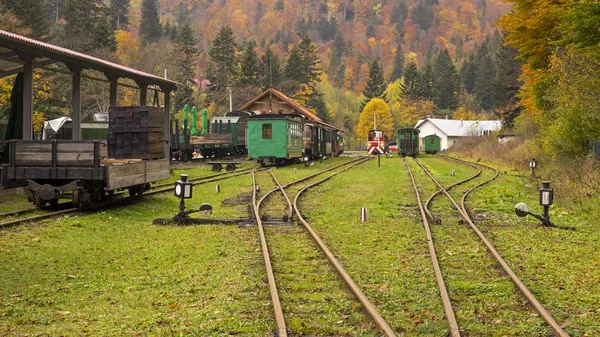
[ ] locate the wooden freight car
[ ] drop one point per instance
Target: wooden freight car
(85, 171)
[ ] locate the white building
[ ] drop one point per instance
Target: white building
(450, 130)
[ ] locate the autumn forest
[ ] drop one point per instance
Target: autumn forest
(461, 59)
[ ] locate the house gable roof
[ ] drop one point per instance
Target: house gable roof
(297, 107)
(460, 128)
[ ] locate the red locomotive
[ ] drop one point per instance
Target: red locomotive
(376, 143)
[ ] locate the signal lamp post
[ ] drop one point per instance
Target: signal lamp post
(546, 200)
(183, 190)
(533, 164)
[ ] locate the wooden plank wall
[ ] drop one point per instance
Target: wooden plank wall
(120, 175)
(67, 154)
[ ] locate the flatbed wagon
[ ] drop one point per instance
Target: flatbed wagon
(75, 170)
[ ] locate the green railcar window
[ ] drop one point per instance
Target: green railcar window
(267, 131)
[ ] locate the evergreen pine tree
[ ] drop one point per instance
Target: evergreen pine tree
(375, 87)
(150, 27)
(249, 67)
(260, 12)
(279, 5)
(223, 69)
(120, 12)
(467, 73)
(399, 14)
(103, 35)
(82, 17)
(340, 76)
(317, 103)
(339, 46)
(447, 84)
(424, 84)
(303, 64)
(422, 14)
(506, 85)
(186, 60)
(32, 14)
(174, 34)
(182, 14)
(293, 66)
(411, 77)
(54, 10)
(398, 64)
(484, 77)
(270, 70)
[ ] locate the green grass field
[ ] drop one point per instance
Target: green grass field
(113, 273)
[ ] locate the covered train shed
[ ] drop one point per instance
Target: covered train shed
(19, 54)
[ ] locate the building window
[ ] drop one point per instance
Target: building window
(267, 131)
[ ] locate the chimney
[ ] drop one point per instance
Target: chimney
(446, 116)
(461, 123)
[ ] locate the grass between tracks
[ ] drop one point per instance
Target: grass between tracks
(112, 273)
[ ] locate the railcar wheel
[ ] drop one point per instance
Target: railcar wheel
(132, 191)
(77, 198)
(38, 201)
(230, 168)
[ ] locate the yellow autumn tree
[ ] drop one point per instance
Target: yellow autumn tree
(379, 108)
(38, 121)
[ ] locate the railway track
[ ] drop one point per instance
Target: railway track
(464, 215)
(321, 279)
(118, 200)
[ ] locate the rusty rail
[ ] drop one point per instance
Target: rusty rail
(558, 330)
(439, 278)
(280, 321)
(369, 307)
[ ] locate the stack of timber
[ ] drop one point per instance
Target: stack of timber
(135, 132)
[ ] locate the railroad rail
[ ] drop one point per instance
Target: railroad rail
(557, 329)
(367, 305)
(119, 201)
(439, 278)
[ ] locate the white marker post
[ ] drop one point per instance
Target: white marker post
(363, 214)
(218, 188)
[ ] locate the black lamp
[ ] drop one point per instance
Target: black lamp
(183, 190)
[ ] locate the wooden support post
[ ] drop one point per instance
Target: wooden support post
(167, 116)
(113, 92)
(76, 104)
(143, 95)
(28, 100)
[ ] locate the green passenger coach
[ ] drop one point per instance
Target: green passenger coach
(431, 144)
(275, 138)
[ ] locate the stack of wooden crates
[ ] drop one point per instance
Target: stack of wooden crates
(136, 132)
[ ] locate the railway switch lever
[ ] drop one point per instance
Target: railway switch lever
(546, 200)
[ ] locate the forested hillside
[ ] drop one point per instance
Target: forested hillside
(431, 57)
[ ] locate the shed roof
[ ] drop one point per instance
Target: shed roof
(15, 48)
(297, 107)
(460, 128)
